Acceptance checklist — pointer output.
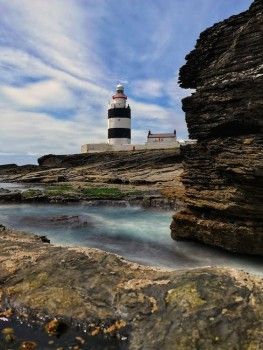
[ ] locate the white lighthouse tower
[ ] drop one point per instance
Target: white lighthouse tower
(119, 119)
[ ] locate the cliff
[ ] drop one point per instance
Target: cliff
(223, 171)
(118, 303)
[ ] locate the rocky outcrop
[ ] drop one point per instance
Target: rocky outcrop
(131, 306)
(223, 171)
(125, 158)
(137, 167)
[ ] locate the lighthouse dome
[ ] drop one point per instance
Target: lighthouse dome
(120, 87)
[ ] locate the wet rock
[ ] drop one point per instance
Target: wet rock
(223, 172)
(8, 334)
(73, 221)
(12, 197)
(56, 327)
(4, 191)
(6, 313)
(44, 239)
(28, 345)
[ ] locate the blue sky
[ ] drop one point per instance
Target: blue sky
(61, 59)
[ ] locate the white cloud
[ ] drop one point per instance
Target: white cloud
(148, 88)
(24, 132)
(42, 94)
(55, 31)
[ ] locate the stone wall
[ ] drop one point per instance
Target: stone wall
(104, 147)
(223, 171)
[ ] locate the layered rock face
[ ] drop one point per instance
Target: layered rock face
(223, 171)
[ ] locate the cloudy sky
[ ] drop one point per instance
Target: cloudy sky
(61, 59)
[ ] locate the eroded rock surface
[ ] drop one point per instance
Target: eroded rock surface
(120, 168)
(209, 308)
(223, 171)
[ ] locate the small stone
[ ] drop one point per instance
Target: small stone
(119, 324)
(28, 345)
(80, 339)
(8, 330)
(55, 327)
(7, 313)
(248, 141)
(9, 338)
(238, 299)
(95, 331)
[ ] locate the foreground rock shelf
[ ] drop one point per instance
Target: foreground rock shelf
(135, 306)
(223, 171)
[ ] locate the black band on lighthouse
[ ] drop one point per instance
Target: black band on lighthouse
(119, 133)
(119, 113)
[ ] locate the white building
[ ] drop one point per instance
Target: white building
(168, 138)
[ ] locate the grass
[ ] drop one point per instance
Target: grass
(65, 190)
(31, 193)
(103, 193)
(58, 190)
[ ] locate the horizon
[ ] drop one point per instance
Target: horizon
(60, 63)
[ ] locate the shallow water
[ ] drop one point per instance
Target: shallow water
(16, 186)
(34, 331)
(138, 234)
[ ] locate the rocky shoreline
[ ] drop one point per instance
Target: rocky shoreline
(103, 196)
(138, 178)
(119, 302)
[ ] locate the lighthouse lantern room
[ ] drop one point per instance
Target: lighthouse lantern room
(119, 119)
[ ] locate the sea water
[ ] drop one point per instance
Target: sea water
(138, 234)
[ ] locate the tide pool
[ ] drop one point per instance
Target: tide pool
(140, 235)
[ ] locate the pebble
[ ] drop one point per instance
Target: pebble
(80, 339)
(7, 313)
(8, 330)
(28, 345)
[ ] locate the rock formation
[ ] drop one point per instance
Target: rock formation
(223, 171)
(131, 306)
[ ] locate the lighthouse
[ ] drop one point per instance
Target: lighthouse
(119, 118)
(119, 131)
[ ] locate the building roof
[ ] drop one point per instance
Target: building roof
(166, 135)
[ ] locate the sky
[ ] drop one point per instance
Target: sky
(60, 61)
